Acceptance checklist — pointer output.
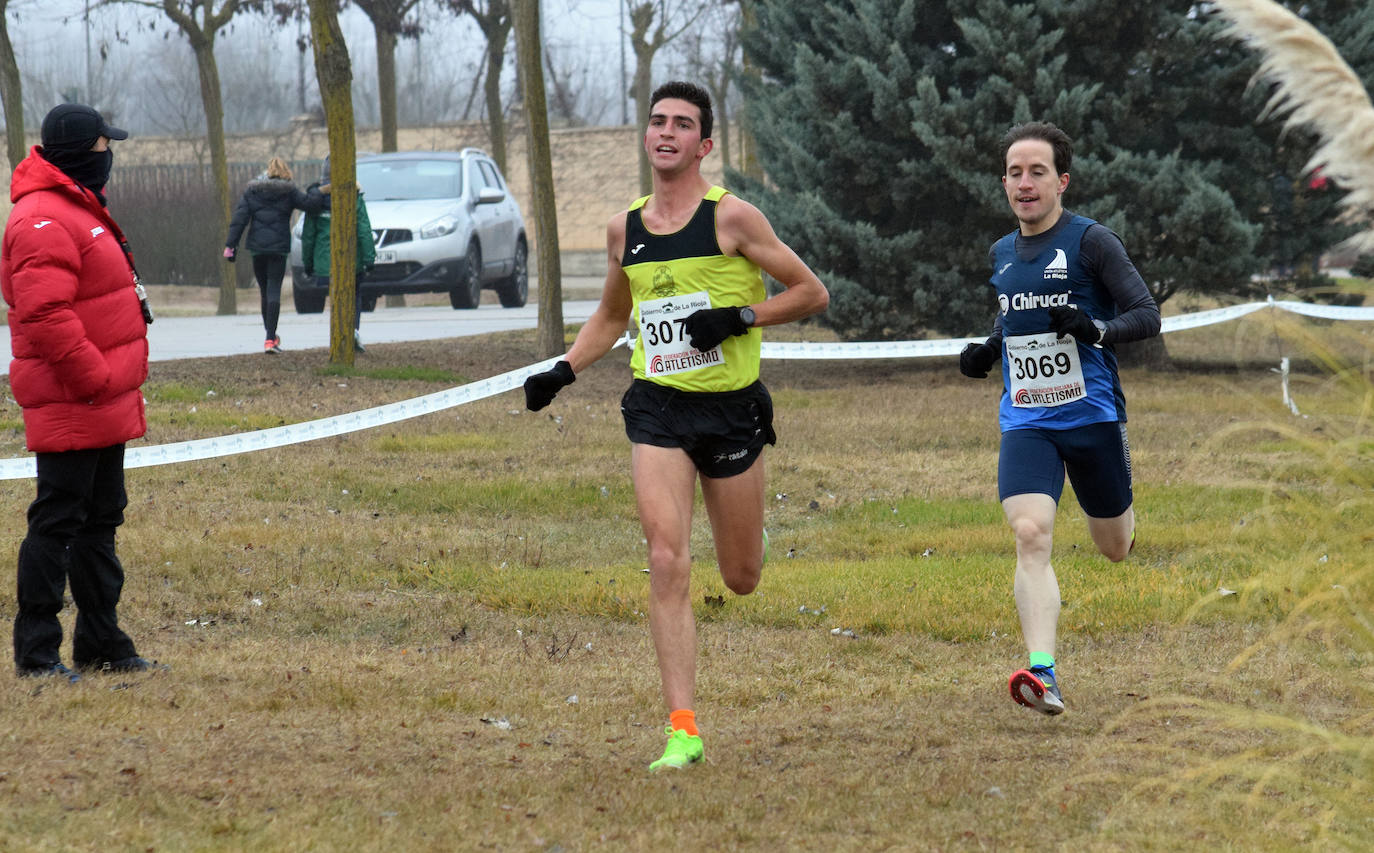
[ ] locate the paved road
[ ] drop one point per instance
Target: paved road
(171, 338)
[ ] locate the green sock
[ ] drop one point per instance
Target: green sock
(1044, 659)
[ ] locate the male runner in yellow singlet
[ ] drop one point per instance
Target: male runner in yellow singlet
(685, 262)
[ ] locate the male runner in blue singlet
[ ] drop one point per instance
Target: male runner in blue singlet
(685, 264)
(1067, 292)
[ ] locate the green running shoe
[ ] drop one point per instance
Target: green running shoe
(682, 749)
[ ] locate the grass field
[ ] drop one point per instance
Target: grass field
(431, 636)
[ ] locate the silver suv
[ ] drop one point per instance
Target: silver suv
(443, 222)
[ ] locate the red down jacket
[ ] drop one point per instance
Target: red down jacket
(77, 333)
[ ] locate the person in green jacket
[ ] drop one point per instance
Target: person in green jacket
(315, 250)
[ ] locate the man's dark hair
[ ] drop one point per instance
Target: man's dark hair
(692, 94)
(1059, 142)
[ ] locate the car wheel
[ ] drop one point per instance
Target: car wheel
(514, 292)
(367, 303)
(308, 302)
(468, 292)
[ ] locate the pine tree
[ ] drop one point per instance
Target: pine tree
(879, 123)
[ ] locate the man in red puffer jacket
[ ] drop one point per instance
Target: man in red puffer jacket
(79, 334)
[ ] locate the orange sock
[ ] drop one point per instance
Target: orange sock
(684, 719)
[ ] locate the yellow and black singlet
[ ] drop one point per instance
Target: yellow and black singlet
(673, 275)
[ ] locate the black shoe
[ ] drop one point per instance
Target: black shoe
(54, 670)
(358, 343)
(130, 664)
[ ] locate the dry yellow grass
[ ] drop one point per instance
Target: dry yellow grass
(431, 636)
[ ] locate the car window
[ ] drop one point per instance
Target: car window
(476, 181)
(404, 180)
(489, 172)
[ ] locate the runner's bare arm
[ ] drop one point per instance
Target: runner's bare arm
(742, 229)
(612, 315)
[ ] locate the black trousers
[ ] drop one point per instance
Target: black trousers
(71, 539)
(269, 269)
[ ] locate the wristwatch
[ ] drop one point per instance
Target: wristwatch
(746, 316)
(1101, 330)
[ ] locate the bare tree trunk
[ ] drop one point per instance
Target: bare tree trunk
(11, 93)
(335, 73)
(720, 91)
(641, 19)
(386, 86)
(495, 23)
(496, 119)
(529, 52)
(201, 35)
(210, 96)
(723, 133)
(386, 98)
(301, 47)
(388, 22)
(645, 46)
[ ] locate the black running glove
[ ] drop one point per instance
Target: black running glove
(1066, 320)
(977, 359)
(708, 327)
(541, 388)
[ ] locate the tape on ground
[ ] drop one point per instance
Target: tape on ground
(19, 467)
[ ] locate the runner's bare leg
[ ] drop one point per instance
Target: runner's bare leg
(1031, 517)
(1112, 536)
(665, 490)
(735, 507)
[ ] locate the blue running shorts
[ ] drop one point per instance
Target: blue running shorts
(1097, 458)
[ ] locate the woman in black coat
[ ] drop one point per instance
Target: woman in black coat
(265, 210)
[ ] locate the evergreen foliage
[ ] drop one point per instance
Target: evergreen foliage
(879, 125)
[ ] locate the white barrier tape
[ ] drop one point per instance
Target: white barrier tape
(19, 467)
(871, 349)
(227, 445)
(1326, 312)
(1207, 318)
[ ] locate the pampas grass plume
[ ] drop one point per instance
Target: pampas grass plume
(1316, 88)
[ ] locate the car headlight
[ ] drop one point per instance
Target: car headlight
(440, 227)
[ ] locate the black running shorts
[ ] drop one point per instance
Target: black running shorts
(722, 431)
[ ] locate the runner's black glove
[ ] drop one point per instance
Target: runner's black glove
(1066, 320)
(709, 326)
(977, 359)
(541, 388)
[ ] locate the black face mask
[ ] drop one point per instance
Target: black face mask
(90, 169)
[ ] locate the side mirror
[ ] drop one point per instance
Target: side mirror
(490, 195)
